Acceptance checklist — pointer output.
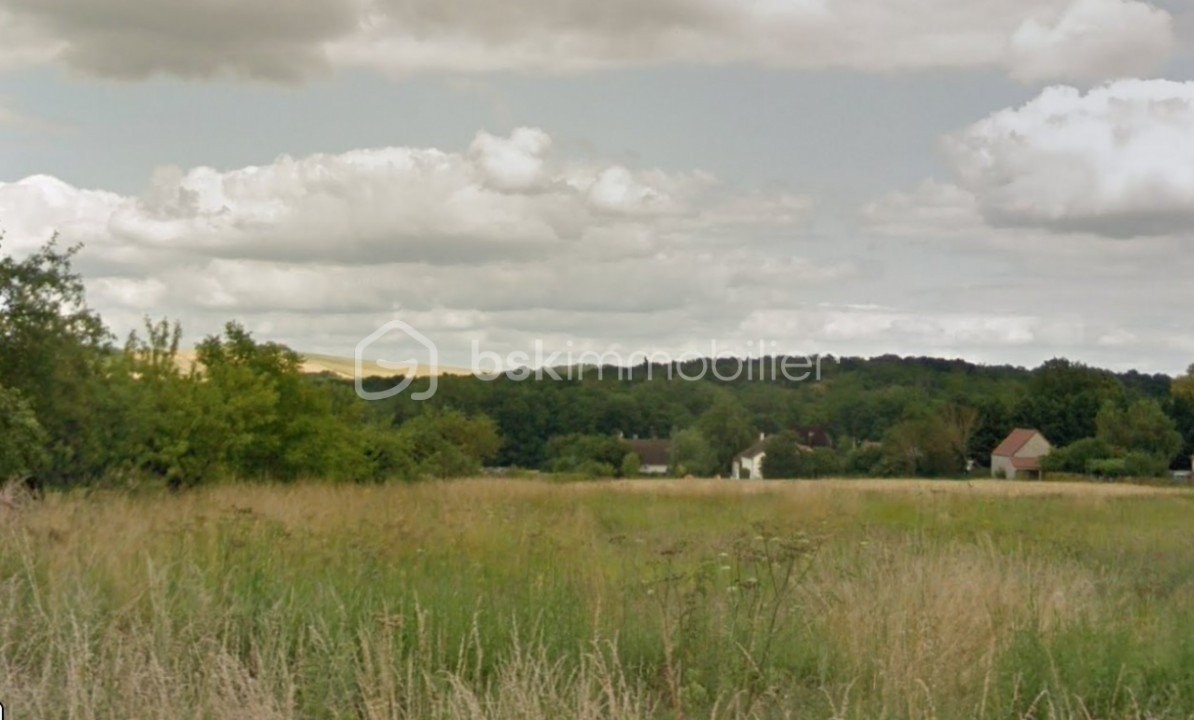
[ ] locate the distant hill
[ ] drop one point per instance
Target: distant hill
(342, 367)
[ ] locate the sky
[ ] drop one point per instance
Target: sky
(1003, 182)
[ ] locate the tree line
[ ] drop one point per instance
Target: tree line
(76, 407)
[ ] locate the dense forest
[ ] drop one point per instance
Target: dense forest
(77, 408)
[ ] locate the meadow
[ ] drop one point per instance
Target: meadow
(518, 599)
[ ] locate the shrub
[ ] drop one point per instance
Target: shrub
(1078, 456)
(787, 458)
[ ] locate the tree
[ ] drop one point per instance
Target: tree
(1079, 456)
(921, 446)
(53, 351)
(1181, 409)
(959, 423)
(692, 454)
(727, 428)
(787, 458)
(1063, 399)
(270, 420)
(1141, 427)
(448, 443)
(587, 454)
(172, 429)
(1183, 386)
(783, 456)
(632, 465)
(22, 439)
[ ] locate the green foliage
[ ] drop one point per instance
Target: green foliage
(866, 459)
(22, 439)
(1140, 427)
(53, 350)
(271, 420)
(632, 465)
(922, 446)
(1131, 465)
(1079, 456)
(692, 454)
(594, 455)
(727, 428)
(443, 444)
(1145, 465)
(786, 458)
(248, 410)
(171, 422)
(1063, 399)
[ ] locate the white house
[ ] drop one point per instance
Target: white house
(1019, 455)
(748, 464)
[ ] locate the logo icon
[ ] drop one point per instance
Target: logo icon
(409, 368)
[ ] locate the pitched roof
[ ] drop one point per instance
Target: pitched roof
(754, 450)
(1013, 442)
(652, 451)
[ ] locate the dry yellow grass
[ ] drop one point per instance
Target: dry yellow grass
(978, 487)
(493, 599)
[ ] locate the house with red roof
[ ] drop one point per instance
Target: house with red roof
(1019, 456)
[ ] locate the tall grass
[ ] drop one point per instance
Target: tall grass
(487, 599)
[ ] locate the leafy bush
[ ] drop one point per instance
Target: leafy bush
(444, 444)
(1141, 426)
(587, 454)
(631, 465)
(1078, 456)
(692, 454)
(787, 458)
(1132, 465)
(1144, 465)
(22, 439)
(866, 459)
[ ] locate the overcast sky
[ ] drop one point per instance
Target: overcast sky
(1001, 181)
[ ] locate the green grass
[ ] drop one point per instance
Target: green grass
(492, 599)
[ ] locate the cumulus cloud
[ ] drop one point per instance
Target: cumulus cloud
(1115, 161)
(516, 163)
(505, 198)
(1092, 40)
(34, 209)
(497, 237)
(508, 240)
(1032, 39)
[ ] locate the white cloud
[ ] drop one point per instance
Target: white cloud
(1092, 40)
(507, 197)
(1116, 161)
(504, 232)
(33, 209)
(1032, 39)
(516, 163)
(508, 240)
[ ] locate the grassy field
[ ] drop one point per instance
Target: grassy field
(522, 600)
